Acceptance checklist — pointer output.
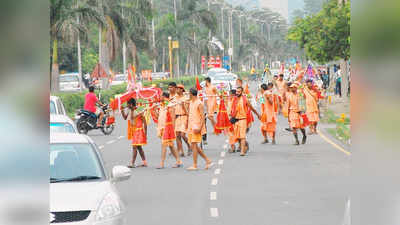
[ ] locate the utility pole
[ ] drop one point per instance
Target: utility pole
(154, 41)
(222, 23)
(124, 51)
(170, 56)
(79, 54)
(177, 57)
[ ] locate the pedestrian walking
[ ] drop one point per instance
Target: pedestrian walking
(166, 131)
(196, 129)
(294, 114)
(239, 116)
(312, 111)
(137, 131)
(270, 111)
(181, 119)
(211, 100)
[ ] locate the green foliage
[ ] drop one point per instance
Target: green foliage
(89, 60)
(324, 36)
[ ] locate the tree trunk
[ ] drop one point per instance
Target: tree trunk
(54, 84)
(80, 62)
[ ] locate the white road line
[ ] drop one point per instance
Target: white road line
(214, 181)
(214, 212)
(213, 196)
(223, 154)
(110, 142)
(120, 137)
(225, 146)
(217, 171)
(101, 146)
(220, 162)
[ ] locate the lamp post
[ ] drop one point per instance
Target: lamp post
(170, 55)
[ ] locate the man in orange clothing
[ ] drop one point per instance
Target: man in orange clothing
(270, 110)
(294, 114)
(240, 106)
(211, 102)
(181, 121)
(312, 106)
(196, 129)
(280, 85)
(161, 125)
(231, 135)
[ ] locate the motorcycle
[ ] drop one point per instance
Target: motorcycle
(88, 121)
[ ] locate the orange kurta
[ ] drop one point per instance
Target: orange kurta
(181, 121)
(281, 87)
(311, 105)
(294, 115)
(211, 91)
(195, 119)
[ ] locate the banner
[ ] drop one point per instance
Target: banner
(203, 62)
(218, 62)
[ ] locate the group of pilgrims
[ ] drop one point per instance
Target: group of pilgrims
(182, 117)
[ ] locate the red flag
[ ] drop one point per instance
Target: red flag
(222, 118)
(198, 87)
(169, 131)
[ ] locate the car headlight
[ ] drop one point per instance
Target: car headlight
(109, 207)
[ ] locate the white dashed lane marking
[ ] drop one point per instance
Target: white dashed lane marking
(110, 142)
(220, 162)
(217, 171)
(214, 212)
(120, 137)
(222, 154)
(213, 196)
(101, 146)
(214, 181)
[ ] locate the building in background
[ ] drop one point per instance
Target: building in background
(279, 6)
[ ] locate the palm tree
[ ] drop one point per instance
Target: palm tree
(65, 27)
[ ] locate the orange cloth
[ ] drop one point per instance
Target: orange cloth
(195, 118)
(231, 135)
(138, 133)
(181, 120)
(240, 126)
(269, 125)
(281, 86)
(311, 104)
(211, 90)
(294, 115)
(162, 122)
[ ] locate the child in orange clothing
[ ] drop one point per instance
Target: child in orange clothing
(137, 132)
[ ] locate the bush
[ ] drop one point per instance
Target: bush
(75, 101)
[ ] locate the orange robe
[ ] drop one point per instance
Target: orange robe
(240, 126)
(195, 119)
(211, 91)
(294, 115)
(311, 105)
(270, 111)
(281, 86)
(181, 121)
(231, 135)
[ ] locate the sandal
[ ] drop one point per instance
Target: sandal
(160, 167)
(143, 165)
(192, 168)
(131, 166)
(209, 165)
(177, 165)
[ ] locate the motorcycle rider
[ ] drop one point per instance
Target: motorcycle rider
(90, 105)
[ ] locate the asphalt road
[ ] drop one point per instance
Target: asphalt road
(273, 185)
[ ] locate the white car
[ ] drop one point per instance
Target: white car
(225, 80)
(70, 82)
(56, 106)
(160, 75)
(119, 79)
(62, 124)
(81, 190)
(215, 71)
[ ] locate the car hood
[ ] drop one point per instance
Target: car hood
(75, 196)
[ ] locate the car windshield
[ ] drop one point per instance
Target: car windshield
(119, 78)
(224, 77)
(74, 162)
(69, 78)
(53, 108)
(61, 128)
(214, 73)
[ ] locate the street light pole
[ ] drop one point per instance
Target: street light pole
(154, 41)
(170, 56)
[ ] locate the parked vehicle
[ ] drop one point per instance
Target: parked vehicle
(160, 75)
(70, 82)
(225, 80)
(81, 189)
(62, 124)
(119, 79)
(215, 71)
(56, 106)
(88, 121)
